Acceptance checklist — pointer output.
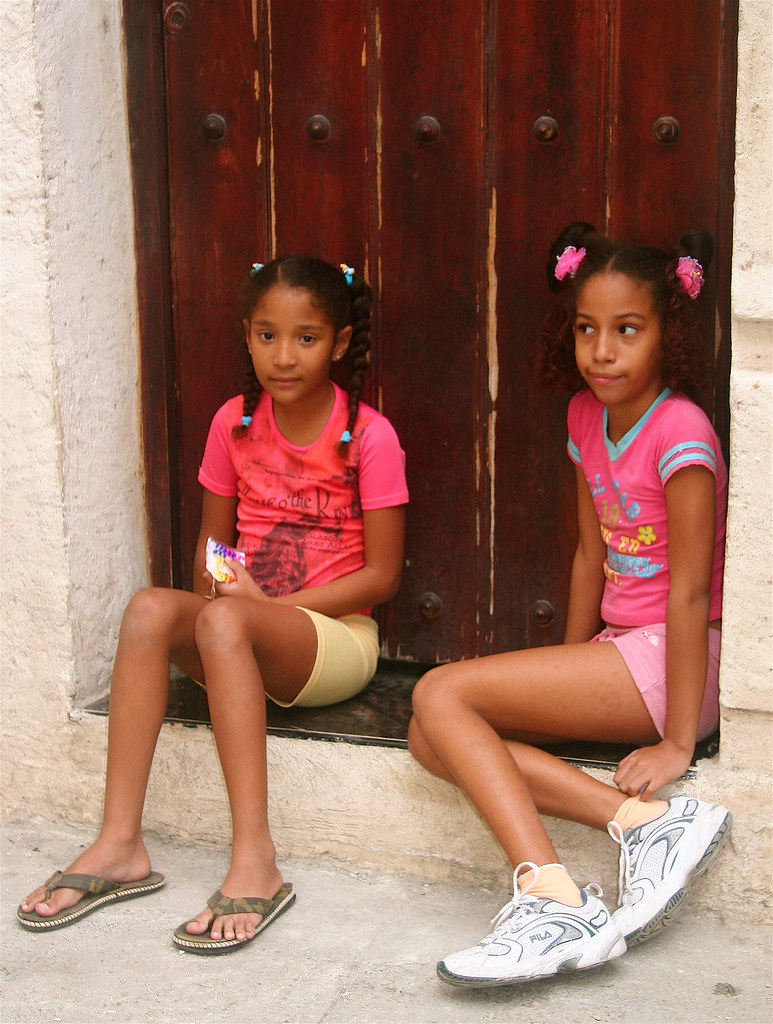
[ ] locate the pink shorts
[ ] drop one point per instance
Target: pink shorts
(644, 652)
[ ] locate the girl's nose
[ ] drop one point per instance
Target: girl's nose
(284, 353)
(603, 350)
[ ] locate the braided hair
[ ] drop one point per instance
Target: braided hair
(344, 305)
(686, 354)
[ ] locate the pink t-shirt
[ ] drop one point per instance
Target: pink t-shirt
(626, 482)
(299, 513)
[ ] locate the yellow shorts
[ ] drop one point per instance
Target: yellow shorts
(347, 652)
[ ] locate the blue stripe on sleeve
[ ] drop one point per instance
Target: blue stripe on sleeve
(574, 452)
(695, 452)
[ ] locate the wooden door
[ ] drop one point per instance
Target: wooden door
(438, 147)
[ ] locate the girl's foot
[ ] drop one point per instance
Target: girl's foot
(537, 938)
(120, 862)
(661, 859)
(242, 927)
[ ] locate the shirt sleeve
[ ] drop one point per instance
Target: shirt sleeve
(382, 481)
(217, 472)
(697, 445)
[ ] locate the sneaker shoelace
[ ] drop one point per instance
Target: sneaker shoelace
(522, 905)
(624, 864)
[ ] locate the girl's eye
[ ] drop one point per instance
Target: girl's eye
(265, 335)
(628, 330)
(583, 328)
(307, 339)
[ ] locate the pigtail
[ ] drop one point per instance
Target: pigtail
(698, 244)
(555, 365)
(579, 235)
(686, 342)
(358, 352)
(250, 396)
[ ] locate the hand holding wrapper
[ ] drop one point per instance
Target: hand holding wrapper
(216, 564)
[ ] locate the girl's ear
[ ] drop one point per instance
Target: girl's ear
(246, 326)
(342, 341)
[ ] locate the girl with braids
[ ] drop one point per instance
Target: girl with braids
(309, 483)
(640, 660)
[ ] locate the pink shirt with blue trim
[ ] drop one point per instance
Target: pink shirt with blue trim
(627, 481)
(299, 513)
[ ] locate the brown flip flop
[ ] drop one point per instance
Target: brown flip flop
(222, 906)
(99, 892)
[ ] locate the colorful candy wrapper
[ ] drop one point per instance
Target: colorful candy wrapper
(216, 561)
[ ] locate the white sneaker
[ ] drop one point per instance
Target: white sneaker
(536, 938)
(659, 861)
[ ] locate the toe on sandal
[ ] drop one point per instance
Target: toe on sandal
(222, 906)
(98, 893)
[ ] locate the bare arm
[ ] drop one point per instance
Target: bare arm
(375, 582)
(587, 582)
(218, 520)
(691, 507)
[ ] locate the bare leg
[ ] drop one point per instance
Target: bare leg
(462, 712)
(157, 626)
(243, 645)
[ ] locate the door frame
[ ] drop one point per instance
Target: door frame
(146, 105)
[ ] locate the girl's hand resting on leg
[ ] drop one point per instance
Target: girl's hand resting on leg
(644, 771)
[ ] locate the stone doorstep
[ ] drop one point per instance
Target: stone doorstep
(373, 807)
(360, 800)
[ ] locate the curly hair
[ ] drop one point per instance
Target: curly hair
(686, 353)
(342, 303)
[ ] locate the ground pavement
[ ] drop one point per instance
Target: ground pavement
(358, 947)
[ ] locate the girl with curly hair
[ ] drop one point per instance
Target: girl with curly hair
(640, 659)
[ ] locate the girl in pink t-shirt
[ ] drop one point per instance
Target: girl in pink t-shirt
(308, 484)
(640, 660)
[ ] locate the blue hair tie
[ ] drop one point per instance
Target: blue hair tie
(348, 273)
(255, 269)
(246, 420)
(346, 437)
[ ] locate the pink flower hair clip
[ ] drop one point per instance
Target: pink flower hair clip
(690, 273)
(569, 262)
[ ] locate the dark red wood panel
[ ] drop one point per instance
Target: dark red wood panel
(658, 189)
(146, 92)
(452, 232)
(218, 218)
(430, 267)
(677, 62)
(549, 64)
(317, 66)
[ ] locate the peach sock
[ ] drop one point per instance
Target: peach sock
(634, 812)
(553, 883)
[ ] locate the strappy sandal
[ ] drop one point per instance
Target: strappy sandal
(225, 906)
(99, 892)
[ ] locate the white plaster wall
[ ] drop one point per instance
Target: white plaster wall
(747, 668)
(72, 485)
(73, 529)
(87, 179)
(35, 626)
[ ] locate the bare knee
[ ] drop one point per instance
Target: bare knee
(436, 693)
(150, 616)
(221, 626)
